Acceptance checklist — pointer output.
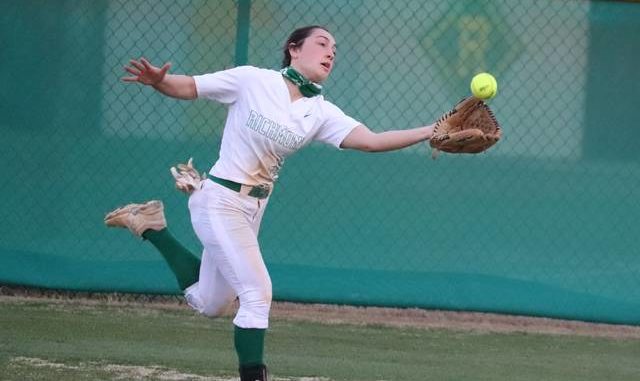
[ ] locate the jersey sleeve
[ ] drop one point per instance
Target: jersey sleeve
(222, 86)
(336, 125)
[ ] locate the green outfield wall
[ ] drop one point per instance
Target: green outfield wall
(543, 224)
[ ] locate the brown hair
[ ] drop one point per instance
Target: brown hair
(296, 38)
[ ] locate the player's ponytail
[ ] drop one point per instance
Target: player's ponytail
(296, 38)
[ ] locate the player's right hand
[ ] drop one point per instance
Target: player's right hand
(145, 73)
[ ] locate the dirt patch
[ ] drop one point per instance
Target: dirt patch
(333, 314)
(125, 372)
(431, 319)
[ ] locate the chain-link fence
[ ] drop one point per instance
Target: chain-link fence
(542, 224)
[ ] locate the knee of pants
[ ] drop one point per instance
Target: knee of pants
(254, 309)
(213, 310)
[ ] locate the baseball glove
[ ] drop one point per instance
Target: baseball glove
(470, 127)
(187, 177)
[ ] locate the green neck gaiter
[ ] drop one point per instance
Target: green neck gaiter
(307, 88)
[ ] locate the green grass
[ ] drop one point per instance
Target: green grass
(79, 342)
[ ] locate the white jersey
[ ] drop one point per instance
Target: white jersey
(263, 126)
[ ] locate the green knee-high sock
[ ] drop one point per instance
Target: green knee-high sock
(249, 344)
(185, 265)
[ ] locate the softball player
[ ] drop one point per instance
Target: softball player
(271, 114)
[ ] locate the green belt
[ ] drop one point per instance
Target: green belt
(258, 191)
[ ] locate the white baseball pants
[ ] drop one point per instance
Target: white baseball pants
(227, 225)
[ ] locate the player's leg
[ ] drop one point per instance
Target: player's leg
(147, 221)
(247, 339)
(183, 263)
(226, 224)
(211, 295)
(241, 264)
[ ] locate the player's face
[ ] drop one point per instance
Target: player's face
(315, 58)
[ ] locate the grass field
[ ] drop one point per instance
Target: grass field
(44, 339)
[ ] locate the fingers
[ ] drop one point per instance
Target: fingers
(144, 72)
(133, 71)
(136, 71)
(146, 63)
(137, 64)
(137, 68)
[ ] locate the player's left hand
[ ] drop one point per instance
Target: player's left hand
(470, 127)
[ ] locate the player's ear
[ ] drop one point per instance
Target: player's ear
(293, 49)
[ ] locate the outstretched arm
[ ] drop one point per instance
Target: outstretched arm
(173, 85)
(363, 139)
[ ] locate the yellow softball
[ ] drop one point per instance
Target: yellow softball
(484, 86)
